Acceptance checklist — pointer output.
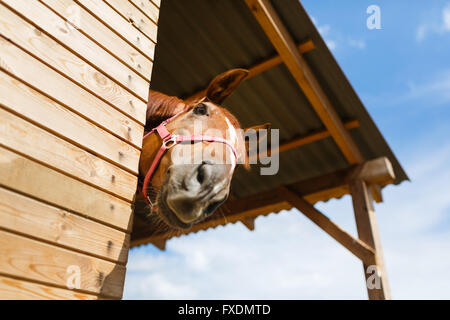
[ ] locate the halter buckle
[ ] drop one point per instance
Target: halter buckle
(172, 141)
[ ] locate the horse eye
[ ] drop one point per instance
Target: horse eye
(201, 110)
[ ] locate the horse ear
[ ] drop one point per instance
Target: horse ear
(255, 133)
(224, 84)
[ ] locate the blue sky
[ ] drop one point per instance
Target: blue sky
(402, 75)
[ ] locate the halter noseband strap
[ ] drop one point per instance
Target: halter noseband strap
(168, 141)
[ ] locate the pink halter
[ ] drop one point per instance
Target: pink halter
(168, 141)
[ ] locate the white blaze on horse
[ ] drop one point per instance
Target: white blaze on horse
(190, 152)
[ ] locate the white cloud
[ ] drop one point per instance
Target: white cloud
(289, 257)
(331, 44)
(434, 26)
(446, 18)
(333, 37)
(324, 30)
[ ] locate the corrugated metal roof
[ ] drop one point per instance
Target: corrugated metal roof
(199, 39)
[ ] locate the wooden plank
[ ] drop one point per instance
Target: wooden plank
(113, 20)
(136, 17)
(33, 260)
(98, 32)
(25, 138)
(14, 289)
(300, 70)
(41, 221)
(263, 66)
(355, 246)
(57, 119)
(60, 89)
(54, 26)
(148, 8)
(33, 179)
(40, 45)
(367, 227)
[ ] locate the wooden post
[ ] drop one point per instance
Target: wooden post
(375, 273)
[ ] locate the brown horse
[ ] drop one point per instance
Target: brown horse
(185, 192)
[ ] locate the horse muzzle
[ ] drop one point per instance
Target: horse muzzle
(196, 191)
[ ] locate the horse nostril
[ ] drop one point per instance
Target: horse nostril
(203, 171)
(200, 175)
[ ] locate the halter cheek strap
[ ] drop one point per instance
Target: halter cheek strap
(168, 141)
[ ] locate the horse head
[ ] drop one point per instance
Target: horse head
(189, 160)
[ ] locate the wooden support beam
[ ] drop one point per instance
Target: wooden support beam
(322, 188)
(300, 70)
(360, 249)
(306, 139)
(368, 233)
(263, 66)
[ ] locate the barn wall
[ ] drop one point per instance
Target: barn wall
(74, 79)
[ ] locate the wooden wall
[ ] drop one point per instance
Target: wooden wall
(74, 79)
